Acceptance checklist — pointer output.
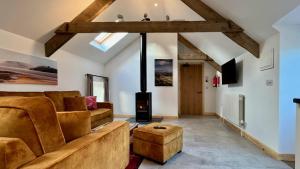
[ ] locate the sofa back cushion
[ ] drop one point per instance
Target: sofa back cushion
(75, 124)
(24, 94)
(16, 123)
(33, 120)
(58, 98)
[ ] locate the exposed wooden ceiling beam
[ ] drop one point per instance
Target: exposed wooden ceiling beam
(89, 14)
(149, 27)
(209, 14)
(191, 46)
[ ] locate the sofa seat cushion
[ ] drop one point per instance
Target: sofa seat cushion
(100, 114)
(158, 136)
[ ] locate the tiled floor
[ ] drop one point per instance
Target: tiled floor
(208, 144)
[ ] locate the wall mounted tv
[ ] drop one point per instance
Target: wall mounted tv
(229, 74)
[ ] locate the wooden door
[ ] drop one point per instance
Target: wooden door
(191, 89)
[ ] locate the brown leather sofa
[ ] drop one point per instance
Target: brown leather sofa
(100, 116)
(34, 136)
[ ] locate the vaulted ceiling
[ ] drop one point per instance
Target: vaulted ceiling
(36, 19)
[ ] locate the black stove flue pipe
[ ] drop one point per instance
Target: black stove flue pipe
(143, 99)
(143, 64)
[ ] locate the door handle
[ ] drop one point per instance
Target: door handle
(199, 92)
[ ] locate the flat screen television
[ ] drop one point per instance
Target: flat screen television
(229, 74)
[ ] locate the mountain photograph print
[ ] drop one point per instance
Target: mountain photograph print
(16, 68)
(163, 72)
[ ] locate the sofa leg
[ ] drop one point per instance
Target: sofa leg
(163, 163)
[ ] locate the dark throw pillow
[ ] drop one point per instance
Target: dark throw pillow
(75, 104)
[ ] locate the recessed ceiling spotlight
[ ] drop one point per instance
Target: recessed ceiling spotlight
(156, 4)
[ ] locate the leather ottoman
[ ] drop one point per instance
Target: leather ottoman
(158, 144)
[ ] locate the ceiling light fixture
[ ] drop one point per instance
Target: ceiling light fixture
(167, 18)
(146, 18)
(120, 18)
(156, 4)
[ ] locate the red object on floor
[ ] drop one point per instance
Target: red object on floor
(135, 161)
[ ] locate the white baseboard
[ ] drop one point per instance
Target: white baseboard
(274, 154)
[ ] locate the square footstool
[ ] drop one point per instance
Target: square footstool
(157, 144)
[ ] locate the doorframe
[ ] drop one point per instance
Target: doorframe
(180, 64)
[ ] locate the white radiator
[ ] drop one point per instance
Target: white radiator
(234, 109)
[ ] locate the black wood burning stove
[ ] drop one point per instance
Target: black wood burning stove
(143, 107)
(143, 99)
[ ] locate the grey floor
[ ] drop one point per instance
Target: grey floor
(209, 144)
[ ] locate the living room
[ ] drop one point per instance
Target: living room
(259, 132)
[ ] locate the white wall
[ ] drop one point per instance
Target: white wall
(210, 92)
(123, 72)
(71, 68)
(289, 85)
(261, 105)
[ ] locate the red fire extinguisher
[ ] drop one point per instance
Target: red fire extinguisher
(216, 81)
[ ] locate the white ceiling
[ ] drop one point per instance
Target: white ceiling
(292, 18)
(255, 16)
(36, 19)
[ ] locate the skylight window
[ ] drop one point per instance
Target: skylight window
(104, 41)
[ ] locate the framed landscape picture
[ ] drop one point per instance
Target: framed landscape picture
(17, 68)
(163, 72)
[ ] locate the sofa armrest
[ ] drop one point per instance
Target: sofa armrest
(106, 105)
(74, 124)
(14, 153)
(107, 148)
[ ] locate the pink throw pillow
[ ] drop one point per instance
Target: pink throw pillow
(91, 102)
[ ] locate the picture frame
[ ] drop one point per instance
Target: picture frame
(18, 68)
(164, 72)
